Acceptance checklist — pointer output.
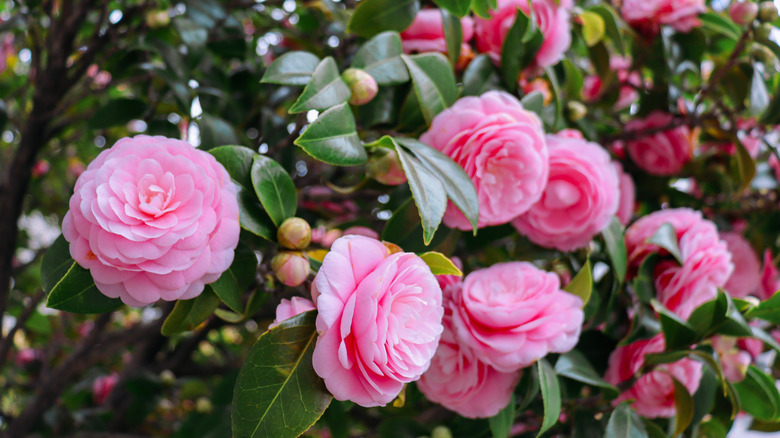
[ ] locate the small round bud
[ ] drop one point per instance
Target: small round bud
(767, 12)
(203, 405)
(40, 168)
(576, 110)
(763, 31)
(167, 377)
(157, 19)
(290, 267)
(441, 432)
(294, 233)
(384, 167)
(743, 12)
(362, 85)
(761, 53)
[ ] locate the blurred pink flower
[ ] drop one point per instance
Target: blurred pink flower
(593, 87)
(649, 15)
(661, 153)
(746, 277)
(426, 33)
(102, 387)
(627, 195)
(770, 277)
(289, 308)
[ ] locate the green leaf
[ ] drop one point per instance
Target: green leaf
(434, 83)
(610, 17)
(528, 388)
(479, 75)
(534, 101)
(575, 366)
(188, 314)
(381, 58)
(582, 284)
(644, 282)
(746, 166)
(292, 68)
(333, 138)
(683, 405)
(593, 27)
(117, 112)
(616, 247)
(551, 395)
(278, 394)
(324, 90)
(501, 423)
(625, 423)
(758, 395)
(678, 333)
(599, 57)
(230, 286)
(274, 188)
(453, 35)
(666, 238)
(720, 25)
(237, 161)
(759, 96)
(574, 80)
(215, 131)
(457, 184)
(458, 8)
(76, 292)
(56, 263)
(252, 218)
(402, 223)
(374, 16)
(520, 45)
(191, 33)
(440, 264)
(483, 7)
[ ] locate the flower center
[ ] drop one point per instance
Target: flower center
(560, 194)
(153, 196)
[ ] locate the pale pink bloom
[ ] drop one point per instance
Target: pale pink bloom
(661, 153)
(379, 320)
(460, 382)
(593, 87)
(553, 18)
(570, 133)
(580, 198)
(153, 218)
(102, 387)
(512, 314)
(324, 237)
(501, 147)
(753, 346)
(26, 356)
(706, 261)
(426, 33)
(627, 195)
(653, 393)
(362, 231)
(289, 308)
(734, 361)
(746, 277)
(648, 15)
(770, 277)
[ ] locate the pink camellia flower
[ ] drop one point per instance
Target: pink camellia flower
(361, 231)
(460, 382)
(512, 314)
(426, 33)
(153, 218)
(593, 87)
(774, 163)
(102, 387)
(580, 198)
(770, 277)
(660, 153)
(746, 277)
(552, 17)
(501, 147)
(735, 362)
(627, 195)
(706, 261)
(753, 346)
(289, 308)
(653, 393)
(379, 320)
(648, 15)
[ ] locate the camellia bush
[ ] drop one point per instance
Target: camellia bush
(389, 218)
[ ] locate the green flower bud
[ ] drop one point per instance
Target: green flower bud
(294, 233)
(291, 267)
(441, 432)
(576, 110)
(157, 19)
(763, 31)
(203, 405)
(384, 167)
(362, 85)
(767, 12)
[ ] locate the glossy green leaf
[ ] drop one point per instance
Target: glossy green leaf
(381, 58)
(484, 8)
(478, 76)
(666, 238)
(434, 82)
(759, 95)
(599, 57)
(237, 160)
(768, 310)
(251, 216)
(457, 184)
(520, 45)
(575, 366)
(644, 282)
(758, 395)
(625, 423)
(746, 166)
(582, 284)
(56, 263)
(324, 90)
(501, 423)
(215, 131)
(720, 24)
(230, 286)
(683, 406)
(593, 27)
(440, 264)
(610, 17)
(292, 68)
(278, 394)
(534, 102)
(453, 35)
(274, 188)
(188, 314)
(333, 138)
(573, 80)
(458, 8)
(551, 395)
(528, 388)
(76, 292)
(678, 333)
(616, 247)
(374, 16)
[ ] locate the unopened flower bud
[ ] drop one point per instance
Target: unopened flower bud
(157, 19)
(767, 12)
(291, 267)
(384, 167)
(576, 110)
(743, 12)
(362, 85)
(763, 31)
(40, 168)
(294, 233)
(203, 405)
(441, 432)
(761, 53)
(167, 377)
